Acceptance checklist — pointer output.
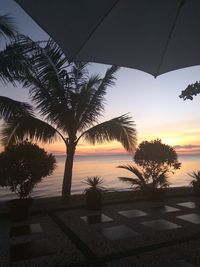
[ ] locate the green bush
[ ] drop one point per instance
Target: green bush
(23, 165)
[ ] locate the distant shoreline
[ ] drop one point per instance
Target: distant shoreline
(120, 154)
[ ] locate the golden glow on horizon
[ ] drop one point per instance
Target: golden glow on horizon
(185, 142)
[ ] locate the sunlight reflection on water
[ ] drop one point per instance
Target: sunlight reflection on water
(104, 166)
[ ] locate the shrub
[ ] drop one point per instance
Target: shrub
(23, 165)
(196, 181)
(155, 161)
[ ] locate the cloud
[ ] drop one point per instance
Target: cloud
(196, 130)
(186, 147)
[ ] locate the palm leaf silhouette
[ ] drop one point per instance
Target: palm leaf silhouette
(68, 102)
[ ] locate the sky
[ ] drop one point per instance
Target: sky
(154, 104)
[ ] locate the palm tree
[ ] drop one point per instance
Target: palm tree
(69, 104)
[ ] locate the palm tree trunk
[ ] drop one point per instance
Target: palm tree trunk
(67, 180)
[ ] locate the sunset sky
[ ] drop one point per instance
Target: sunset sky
(153, 103)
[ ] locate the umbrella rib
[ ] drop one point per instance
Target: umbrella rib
(94, 29)
(170, 35)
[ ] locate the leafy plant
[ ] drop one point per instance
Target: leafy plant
(155, 160)
(94, 183)
(191, 91)
(143, 180)
(93, 192)
(22, 166)
(196, 176)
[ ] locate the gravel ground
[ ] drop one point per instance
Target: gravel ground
(114, 252)
(167, 257)
(4, 242)
(101, 246)
(65, 253)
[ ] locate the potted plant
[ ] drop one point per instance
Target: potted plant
(156, 192)
(22, 166)
(195, 182)
(93, 192)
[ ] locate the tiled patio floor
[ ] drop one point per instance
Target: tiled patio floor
(128, 234)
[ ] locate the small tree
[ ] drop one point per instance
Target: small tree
(155, 161)
(156, 158)
(24, 165)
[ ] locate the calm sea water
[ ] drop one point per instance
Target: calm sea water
(106, 167)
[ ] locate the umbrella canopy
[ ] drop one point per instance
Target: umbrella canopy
(153, 36)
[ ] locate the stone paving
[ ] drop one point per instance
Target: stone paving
(128, 234)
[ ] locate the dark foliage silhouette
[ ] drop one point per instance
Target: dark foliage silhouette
(23, 166)
(93, 192)
(195, 182)
(191, 91)
(69, 103)
(154, 161)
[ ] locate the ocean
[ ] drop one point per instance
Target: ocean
(106, 167)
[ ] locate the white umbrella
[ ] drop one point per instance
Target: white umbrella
(155, 36)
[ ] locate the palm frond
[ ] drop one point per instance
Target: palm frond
(48, 63)
(7, 27)
(79, 74)
(195, 175)
(134, 170)
(50, 106)
(135, 183)
(15, 59)
(121, 129)
(92, 97)
(94, 182)
(140, 179)
(127, 180)
(46, 81)
(109, 78)
(89, 105)
(10, 109)
(22, 128)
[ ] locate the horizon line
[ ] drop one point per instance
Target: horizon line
(117, 154)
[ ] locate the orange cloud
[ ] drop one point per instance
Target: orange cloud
(188, 149)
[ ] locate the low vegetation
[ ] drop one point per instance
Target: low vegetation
(153, 163)
(196, 181)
